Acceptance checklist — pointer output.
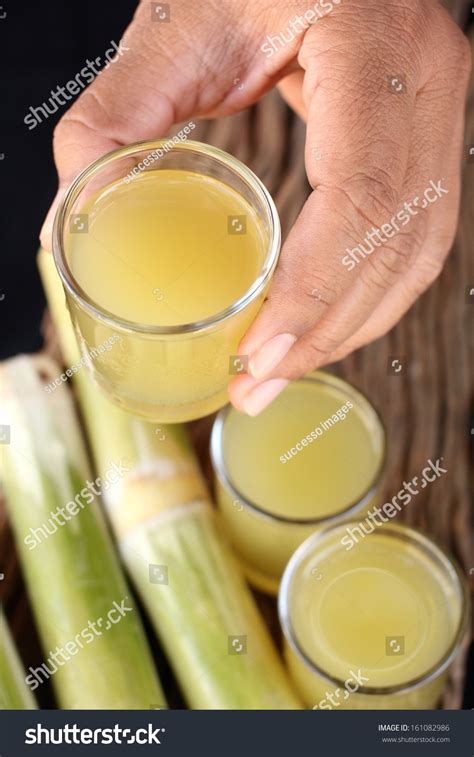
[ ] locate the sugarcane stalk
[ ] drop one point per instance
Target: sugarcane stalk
(173, 546)
(14, 693)
(95, 650)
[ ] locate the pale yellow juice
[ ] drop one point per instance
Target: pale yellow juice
(169, 249)
(158, 250)
(313, 455)
(381, 615)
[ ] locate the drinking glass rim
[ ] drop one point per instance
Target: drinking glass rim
(430, 547)
(205, 324)
(218, 463)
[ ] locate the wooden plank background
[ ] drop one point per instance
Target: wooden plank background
(428, 411)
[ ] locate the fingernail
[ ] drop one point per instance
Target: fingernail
(270, 355)
(258, 399)
(239, 387)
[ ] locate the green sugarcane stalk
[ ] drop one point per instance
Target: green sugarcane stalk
(175, 551)
(14, 693)
(72, 573)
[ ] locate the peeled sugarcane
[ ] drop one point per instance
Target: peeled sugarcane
(14, 693)
(172, 545)
(94, 646)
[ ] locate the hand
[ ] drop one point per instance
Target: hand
(382, 87)
(193, 65)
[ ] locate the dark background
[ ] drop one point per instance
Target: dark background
(43, 45)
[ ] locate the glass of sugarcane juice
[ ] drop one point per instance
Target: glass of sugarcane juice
(373, 626)
(165, 254)
(314, 457)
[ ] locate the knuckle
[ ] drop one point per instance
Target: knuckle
(464, 54)
(406, 243)
(318, 348)
(458, 46)
(441, 242)
(60, 130)
(71, 129)
(425, 273)
(372, 195)
(454, 50)
(89, 116)
(378, 274)
(432, 269)
(393, 260)
(305, 284)
(316, 289)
